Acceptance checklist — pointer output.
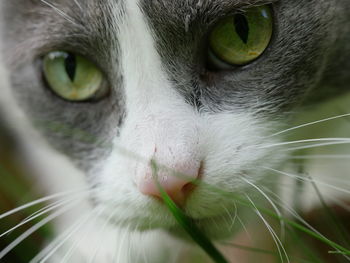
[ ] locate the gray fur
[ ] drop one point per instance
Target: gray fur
(305, 35)
(309, 45)
(40, 29)
(308, 61)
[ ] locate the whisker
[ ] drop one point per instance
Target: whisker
(247, 248)
(69, 235)
(215, 223)
(130, 242)
(60, 12)
(126, 232)
(115, 252)
(80, 194)
(339, 228)
(73, 246)
(233, 218)
(296, 215)
(78, 5)
(278, 212)
(293, 212)
(42, 209)
(100, 234)
(298, 177)
(316, 145)
(310, 124)
(328, 140)
(38, 201)
(46, 253)
(48, 249)
(34, 228)
(136, 237)
(144, 256)
(334, 182)
(320, 156)
(244, 228)
(31, 218)
(274, 236)
(340, 203)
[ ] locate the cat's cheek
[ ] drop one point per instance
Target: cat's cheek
(233, 156)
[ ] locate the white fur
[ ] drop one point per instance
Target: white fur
(157, 118)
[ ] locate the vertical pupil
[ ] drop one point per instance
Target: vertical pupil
(71, 66)
(242, 27)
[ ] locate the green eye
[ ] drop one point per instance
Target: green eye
(240, 39)
(73, 77)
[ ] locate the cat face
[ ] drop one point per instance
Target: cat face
(164, 102)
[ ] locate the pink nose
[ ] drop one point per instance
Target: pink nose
(177, 183)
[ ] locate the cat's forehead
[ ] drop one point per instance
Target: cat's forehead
(192, 8)
(183, 9)
(162, 41)
(179, 31)
(76, 22)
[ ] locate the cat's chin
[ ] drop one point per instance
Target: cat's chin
(220, 227)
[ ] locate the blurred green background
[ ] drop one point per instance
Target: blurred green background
(17, 189)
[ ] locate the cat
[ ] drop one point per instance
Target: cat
(206, 89)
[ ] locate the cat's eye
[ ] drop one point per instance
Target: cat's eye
(73, 77)
(239, 39)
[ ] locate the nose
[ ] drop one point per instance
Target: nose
(178, 183)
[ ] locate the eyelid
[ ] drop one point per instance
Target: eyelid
(217, 63)
(239, 9)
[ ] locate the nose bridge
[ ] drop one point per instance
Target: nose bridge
(159, 124)
(173, 147)
(147, 88)
(172, 136)
(171, 141)
(157, 115)
(141, 64)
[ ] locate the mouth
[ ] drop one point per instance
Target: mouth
(215, 228)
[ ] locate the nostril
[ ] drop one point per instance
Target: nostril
(200, 171)
(188, 188)
(177, 187)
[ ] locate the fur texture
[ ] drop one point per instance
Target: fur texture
(164, 104)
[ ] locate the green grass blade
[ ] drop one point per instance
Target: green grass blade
(290, 222)
(187, 223)
(338, 227)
